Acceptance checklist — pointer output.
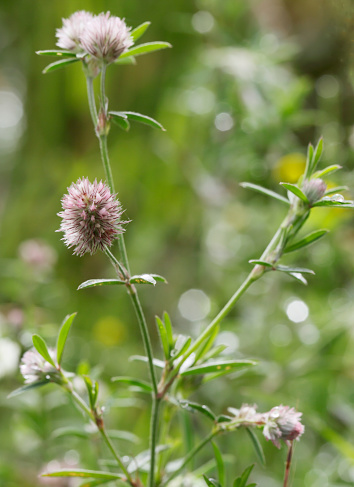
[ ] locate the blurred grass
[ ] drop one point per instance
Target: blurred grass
(282, 72)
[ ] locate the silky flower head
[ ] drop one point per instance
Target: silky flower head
(91, 217)
(246, 414)
(283, 423)
(106, 37)
(314, 189)
(34, 368)
(69, 36)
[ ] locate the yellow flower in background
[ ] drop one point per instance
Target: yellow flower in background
(109, 331)
(289, 168)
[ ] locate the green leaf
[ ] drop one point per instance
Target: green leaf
(147, 279)
(123, 435)
(308, 240)
(301, 270)
(163, 337)
(142, 358)
(334, 204)
(268, 192)
(256, 445)
(224, 418)
(201, 408)
(299, 277)
(138, 117)
(41, 347)
(317, 154)
(219, 366)
(215, 351)
(242, 481)
(84, 473)
(261, 262)
(309, 158)
(211, 482)
(120, 119)
(141, 384)
(337, 189)
(63, 335)
(126, 60)
(296, 191)
(59, 64)
(145, 48)
(56, 52)
(219, 463)
(92, 389)
(139, 31)
(94, 483)
(169, 331)
(181, 346)
(27, 387)
(70, 431)
(143, 458)
(206, 346)
(326, 170)
(100, 282)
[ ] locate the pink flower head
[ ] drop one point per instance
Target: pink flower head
(91, 217)
(69, 36)
(106, 37)
(34, 368)
(283, 423)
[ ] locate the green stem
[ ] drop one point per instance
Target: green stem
(191, 455)
(133, 293)
(91, 100)
(225, 310)
(81, 403)
(153, 438)
(146, 337)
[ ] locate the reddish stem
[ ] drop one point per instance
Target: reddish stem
(288, 464)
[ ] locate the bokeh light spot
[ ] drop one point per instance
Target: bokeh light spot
(194, 305)
(297, 310)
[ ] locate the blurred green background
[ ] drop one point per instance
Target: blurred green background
(246, 86)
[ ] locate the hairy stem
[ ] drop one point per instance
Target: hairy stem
(81, 403)
(131, 289)
(91, 100)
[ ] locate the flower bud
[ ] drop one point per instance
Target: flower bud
(35, 368)
(314, 189)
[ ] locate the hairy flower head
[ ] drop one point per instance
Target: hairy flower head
(34, 368)
(91, 217)
(314, 189)
(106, 37)
(283, 423)
(69, 35)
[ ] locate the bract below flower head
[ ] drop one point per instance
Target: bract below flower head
(91, 217)
(69, 36)
(34, 368)
(106, 37)
(283, 423)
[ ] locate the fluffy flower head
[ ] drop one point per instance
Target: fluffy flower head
(314, 189)
(34, 368)
(283, 423)
(106, 37)
(91, 217)
(69, 36)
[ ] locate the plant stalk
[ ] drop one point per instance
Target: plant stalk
(103, 433)
(191, 455)
(124, 257)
